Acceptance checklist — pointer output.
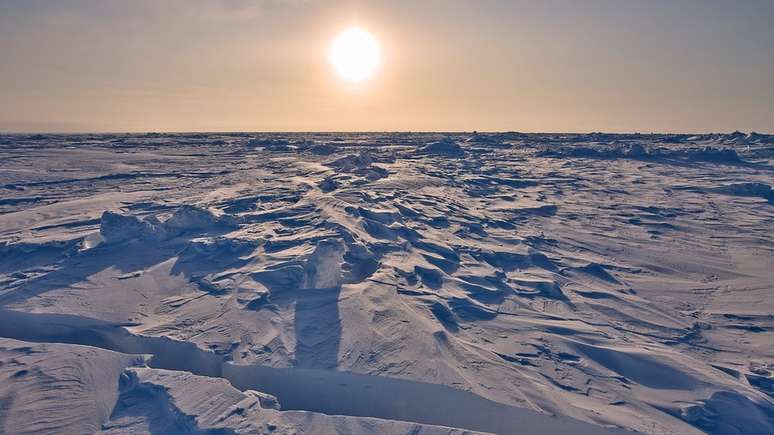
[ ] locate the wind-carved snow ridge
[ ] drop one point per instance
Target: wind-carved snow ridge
(445, 147)
(387, 283)
(115, 227)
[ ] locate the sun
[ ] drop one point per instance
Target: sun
(354, 54)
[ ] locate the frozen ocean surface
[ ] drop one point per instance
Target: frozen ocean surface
(395, 283)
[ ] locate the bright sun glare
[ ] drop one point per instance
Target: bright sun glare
(354, 54)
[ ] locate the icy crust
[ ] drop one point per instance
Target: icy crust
(613, 280)
(197, 404)
(56, 388)
(66, 388)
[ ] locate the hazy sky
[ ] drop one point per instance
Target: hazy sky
(552, 65)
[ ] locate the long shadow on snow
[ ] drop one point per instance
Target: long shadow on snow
(327, 391)
(318, 328)
(129, 257)
(125, 257)
(317, 323)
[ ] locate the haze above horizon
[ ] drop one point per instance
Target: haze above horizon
(229, 65)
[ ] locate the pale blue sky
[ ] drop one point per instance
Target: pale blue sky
(554, 65)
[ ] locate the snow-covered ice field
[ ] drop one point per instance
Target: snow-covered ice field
(387, 283)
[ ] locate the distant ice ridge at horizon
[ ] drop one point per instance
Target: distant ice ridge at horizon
(390, 283)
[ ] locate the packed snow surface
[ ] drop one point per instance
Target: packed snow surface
(387, 283)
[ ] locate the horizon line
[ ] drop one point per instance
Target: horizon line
(118, 132)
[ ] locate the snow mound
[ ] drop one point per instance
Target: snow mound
(115, 227)
(352, 162)
(190, 218)
(360, 164)
(445, 147)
